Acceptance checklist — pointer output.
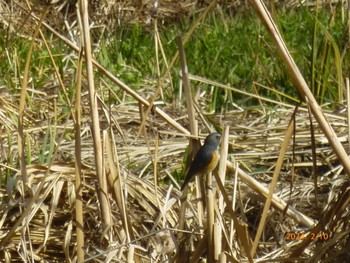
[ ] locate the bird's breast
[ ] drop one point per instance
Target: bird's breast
(214, 161)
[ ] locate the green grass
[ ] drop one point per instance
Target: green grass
(235, 49)
(230, 48)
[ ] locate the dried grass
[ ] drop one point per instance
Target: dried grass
(39, 222)
(154, 217)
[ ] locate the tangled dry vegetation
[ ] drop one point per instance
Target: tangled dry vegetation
(146, 219)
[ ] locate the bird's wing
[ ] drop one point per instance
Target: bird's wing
(203, 157)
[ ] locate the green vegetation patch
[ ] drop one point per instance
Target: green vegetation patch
(235, 49)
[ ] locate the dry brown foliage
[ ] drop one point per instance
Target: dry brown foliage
(308, 220)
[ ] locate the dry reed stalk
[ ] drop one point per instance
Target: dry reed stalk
(347, 87)
(251, 95)
(240, 91)
(330, 220)
(116, 183)
(240, 227)
(186, 37)
(188, 91)
(314, 158)
(157, 42)
(222, 258)
(193, 144)
(301, 83)
(220, 200)
(233, 205)
(222, 164)
(33, 204)
(120, 83)
(22, 102)
(210, 218)
(20, 138)
(58, 75)
(277, 92)
(98, 152)
(79, 211)
(152, 201)
(278, 167)
(277, 202)
(155, 168)
(165, 61)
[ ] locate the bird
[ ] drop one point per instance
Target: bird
(206, 158)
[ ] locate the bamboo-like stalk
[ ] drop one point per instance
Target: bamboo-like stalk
(217, 236)
(222, 258)
(155, 167)
(301, 84)
(251, 95)
(347, 87)
(79, 217)
(156, 50)
(210, 218)
(187, 36)
(222, 163)
(279, 164)
(240, 227)
(187, 88)
(194, 144)
(165, 61)
(276, 201)
(116, 184)
(221, 204)
(233, 205)
(102, 188)
(240, 91)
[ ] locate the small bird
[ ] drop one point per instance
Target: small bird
(206, 158)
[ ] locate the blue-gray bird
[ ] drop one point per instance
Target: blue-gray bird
(206, 158)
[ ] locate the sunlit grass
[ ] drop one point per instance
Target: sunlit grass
(235, 49)
(232, 64)
(229, 48)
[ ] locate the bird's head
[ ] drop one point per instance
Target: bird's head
(213, 139)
